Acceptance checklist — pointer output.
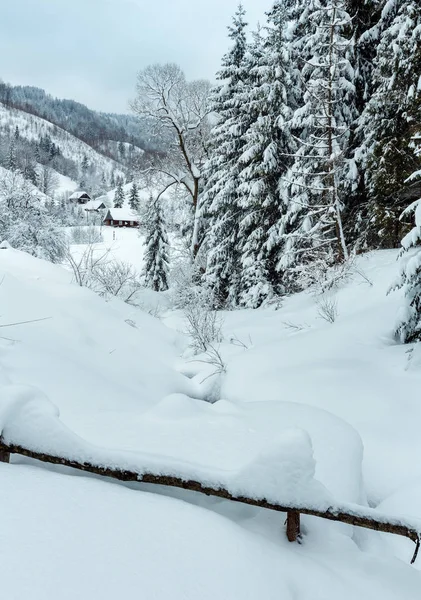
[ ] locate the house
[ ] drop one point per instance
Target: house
(80, 197)
(94, 206)
(121, 217)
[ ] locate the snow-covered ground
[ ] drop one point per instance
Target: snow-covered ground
(124, 381)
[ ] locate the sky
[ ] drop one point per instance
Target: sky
(91, 50)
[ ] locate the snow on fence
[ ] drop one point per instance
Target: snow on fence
(281, 479)
(352, 515)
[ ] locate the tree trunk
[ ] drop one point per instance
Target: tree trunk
(196, 224)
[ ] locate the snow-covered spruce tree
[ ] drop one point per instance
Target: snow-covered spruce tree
(321, 174)
(266, 156)
(219, 201)
(365, 18)
(156, 255)
(119, 196)
(134, 197)
(391, 118)
(408, 327)
(12, 163)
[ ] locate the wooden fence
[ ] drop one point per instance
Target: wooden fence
(359, 517)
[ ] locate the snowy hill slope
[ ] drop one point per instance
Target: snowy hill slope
(88, 354)
(32, 128)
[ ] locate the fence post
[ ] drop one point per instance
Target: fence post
(4, 456)
(293, 525)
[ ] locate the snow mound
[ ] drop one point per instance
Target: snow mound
(283, 474)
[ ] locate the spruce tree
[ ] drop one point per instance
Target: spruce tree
(156, 266)
(119, 196)
(12, 163)
(266, 156)
(134, 197)
(219, 202)
(391, 118)
(408, 327)
(321, 174)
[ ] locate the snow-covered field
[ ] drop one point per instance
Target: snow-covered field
(126, 382)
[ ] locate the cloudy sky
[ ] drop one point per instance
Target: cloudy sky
(91, 50)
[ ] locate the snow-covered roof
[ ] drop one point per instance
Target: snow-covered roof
(122, 214)
(78, 194)
(94, 205)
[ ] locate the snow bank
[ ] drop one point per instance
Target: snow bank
(73, 537)
(352, 368)
(283, 474)
(88, 356)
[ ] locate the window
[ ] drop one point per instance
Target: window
(120, 223)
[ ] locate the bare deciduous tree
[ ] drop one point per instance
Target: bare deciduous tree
(178, 112)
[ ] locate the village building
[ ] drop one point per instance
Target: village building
(94, 206)
(121, 217)
(80, 197)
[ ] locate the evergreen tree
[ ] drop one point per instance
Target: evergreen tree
(365, 19)
(391, 118)
(408, 328)
(12, 163)
(265, 158)
(134, 197)
(156, 255)
(321, 175)
(219, 202)
(119, 196)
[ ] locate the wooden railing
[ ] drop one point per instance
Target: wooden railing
(356, 515)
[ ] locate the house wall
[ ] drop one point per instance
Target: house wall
(112, 223)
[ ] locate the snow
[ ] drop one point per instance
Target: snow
(88, 355)
(84, 538)
(326, 413)
(64, 184)
(283, 474)
(353, 368)
(124, 243)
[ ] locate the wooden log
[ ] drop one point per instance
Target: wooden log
(344, 515)
(293, 525)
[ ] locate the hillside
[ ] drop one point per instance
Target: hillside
(92, 150)
(93, 127)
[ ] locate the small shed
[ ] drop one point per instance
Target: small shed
(94, 206)
(80, 197)
(121, 217)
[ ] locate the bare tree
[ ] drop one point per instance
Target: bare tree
(47, 179)
(178, 112)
